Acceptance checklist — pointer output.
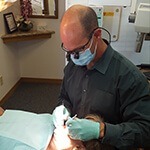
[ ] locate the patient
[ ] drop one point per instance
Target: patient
(61, 141)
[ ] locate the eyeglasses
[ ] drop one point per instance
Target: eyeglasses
(76, 51)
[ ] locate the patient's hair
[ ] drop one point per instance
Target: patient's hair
(96, 144)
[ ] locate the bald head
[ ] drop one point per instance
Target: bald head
(80, 16)
(76, 25)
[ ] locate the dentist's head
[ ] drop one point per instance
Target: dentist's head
(80, 35)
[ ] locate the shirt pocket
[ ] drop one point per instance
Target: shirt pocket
(105, 104)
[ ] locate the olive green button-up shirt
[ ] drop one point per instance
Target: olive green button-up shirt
(115, 90)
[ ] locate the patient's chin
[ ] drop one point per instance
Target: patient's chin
(61, 141)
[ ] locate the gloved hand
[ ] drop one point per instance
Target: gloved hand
(83, 129)
(60, 114)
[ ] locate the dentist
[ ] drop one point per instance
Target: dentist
(98, 80)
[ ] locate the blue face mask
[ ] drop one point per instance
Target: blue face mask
(85, 57)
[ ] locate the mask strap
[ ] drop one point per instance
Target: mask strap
(95, 48)
(91, 43)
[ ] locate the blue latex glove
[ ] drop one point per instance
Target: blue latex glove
(60, 114)
(83, 129)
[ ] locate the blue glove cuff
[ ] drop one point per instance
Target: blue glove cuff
(96, 130)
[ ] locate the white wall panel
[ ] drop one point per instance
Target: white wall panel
(110, 2)
(99, 2)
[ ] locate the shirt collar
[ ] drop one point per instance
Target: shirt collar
(102, 64)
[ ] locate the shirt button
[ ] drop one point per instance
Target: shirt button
(84, 90)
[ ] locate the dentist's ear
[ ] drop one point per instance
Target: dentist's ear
(98, 33)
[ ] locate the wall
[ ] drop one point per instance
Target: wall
(43, 58)
(9, 63)
(36, 58)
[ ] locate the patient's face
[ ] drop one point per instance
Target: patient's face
(61, 141)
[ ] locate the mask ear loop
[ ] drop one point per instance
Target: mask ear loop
(91, 43)
(95, 48)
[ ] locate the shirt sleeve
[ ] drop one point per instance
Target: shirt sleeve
(134, 96)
